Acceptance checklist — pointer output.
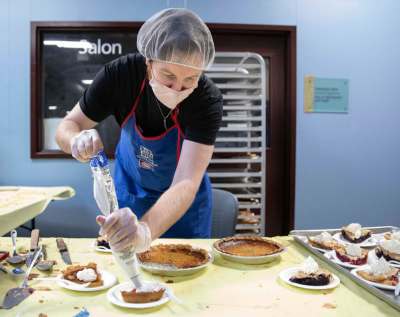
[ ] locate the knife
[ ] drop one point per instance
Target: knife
(34, 246)
(62, 247)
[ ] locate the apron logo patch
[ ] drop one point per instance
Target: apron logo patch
(146, 158)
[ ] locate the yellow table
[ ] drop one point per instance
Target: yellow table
(223, 289)
(21, 204)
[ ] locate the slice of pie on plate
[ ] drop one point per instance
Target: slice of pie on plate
(180, 256)
(150, 292)
(379, 271)
(310, 274)
(323, 241)
(395, 235)
(354, 233)
(248, 246)
(352, 254)
(389, 249)
(82, 274)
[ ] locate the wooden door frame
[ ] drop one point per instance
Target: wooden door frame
(281, 154)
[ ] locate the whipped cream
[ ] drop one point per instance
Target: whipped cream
(323, 237)
(149, 287)
(391, 245)
(355, 229)
(309, 266)
(379, 267)
(396, 235)
(353, 250)
(86, 275)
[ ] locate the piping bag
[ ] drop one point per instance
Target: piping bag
(106, 198)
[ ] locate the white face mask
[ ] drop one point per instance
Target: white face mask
(169, 97)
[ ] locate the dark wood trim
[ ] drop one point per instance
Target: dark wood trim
(280, 183)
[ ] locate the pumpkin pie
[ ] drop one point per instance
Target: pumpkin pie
(82, 274)
(180, 256)
(143, 296)
(247, 246)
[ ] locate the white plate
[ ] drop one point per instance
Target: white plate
(100, 248)
(372, 254)
(108, 281)
(115, 297)
(168, 270)
(285, 276)
(370, 242)
(379, 285)
(250, 259)
(331, 255)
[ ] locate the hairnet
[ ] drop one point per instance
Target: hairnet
(177, 36)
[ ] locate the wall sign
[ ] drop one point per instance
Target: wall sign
(326, 95)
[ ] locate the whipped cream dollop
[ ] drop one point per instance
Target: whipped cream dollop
(323, 237)
(391, 245)
(379, 267)
(396, 235)
(309, 266)
(355, 229)
(353, 250)
(149, 287)
(86, 275)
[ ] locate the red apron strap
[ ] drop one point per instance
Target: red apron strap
(135, 103)
(178, 147)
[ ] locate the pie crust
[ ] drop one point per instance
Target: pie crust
(344, 257)
(349, 236)
(142, 297)
(387, 279)
(181, 256)
(319, 278)
(248, 246)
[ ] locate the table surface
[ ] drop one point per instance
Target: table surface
(223, 289)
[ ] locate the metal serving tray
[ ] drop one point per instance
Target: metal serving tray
(385, 295)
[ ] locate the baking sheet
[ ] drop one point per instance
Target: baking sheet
(387, 296)
(21, 204)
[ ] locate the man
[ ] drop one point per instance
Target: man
(169, 114)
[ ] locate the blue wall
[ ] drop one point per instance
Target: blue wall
(347, 165)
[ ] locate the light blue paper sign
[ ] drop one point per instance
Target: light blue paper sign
(331, 95)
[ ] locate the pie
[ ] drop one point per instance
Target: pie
(247, 246)
(389, 249)
(323, 241)
(181, 256)
(389, 278)
(71, 274)
(102, 242)
(319, 278)
(346, 254)
(311, 274)
(136, 297)
(355, 234)
(392, 235)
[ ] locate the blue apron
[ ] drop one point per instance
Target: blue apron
(144, 169)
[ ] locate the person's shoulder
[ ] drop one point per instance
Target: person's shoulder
(207, 93)
(208, 87)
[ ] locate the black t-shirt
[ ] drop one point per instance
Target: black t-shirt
(117, 84)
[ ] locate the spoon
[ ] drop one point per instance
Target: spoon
(45, 265)
(15, 258)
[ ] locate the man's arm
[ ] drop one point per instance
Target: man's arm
(70, 138)
(173, 204)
